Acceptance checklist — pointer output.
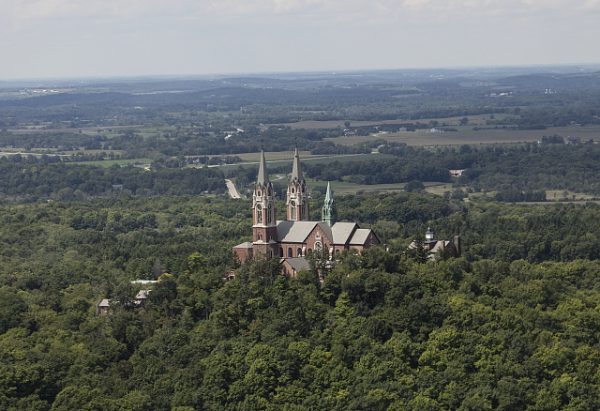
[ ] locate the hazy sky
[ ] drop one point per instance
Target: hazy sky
(81, 38)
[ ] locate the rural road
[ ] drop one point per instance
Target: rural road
(233, 193)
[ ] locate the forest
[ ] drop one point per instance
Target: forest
(109, 184)
(512, 324)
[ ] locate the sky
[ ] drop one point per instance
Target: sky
(105, 38)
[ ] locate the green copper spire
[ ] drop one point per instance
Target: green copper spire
(263, 177)
(328, 211)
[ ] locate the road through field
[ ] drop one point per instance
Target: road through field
(233, 193)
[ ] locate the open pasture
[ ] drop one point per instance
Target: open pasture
(466, 135)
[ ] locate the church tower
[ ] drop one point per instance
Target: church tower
(297, 198)
(328, 210)
(264, 224)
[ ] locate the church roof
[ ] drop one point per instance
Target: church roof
(298, 263)
(440, 245)
(342, 231)
(294, 231)
(247, 244)
(298, 231)
(360, 236)
(263, 176)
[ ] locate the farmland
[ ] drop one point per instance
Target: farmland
(468, 135)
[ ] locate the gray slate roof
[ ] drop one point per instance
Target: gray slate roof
(360, 236)
(298, 231)
(342, 231)
(247, 244)
(298, 263)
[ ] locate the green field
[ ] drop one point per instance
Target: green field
(273, 156)
(466, 135)
(478, 120)
(110, 163)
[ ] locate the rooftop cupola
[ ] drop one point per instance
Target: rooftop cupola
(429, 236)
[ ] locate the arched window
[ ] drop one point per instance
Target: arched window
(299, 254)
(280, 251)
(318, 246)
(309, 251)
(270, 213)
(258, 214)
(290, 252)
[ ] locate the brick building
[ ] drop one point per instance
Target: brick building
(297, 236)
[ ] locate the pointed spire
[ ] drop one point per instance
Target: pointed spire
(328, 213)
(263, 177)
(328, 193)
(296, 170)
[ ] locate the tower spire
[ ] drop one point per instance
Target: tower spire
(263, 177)
(328, 211)
(296, 168)
(297, 197)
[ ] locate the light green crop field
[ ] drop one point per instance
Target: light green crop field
(110, 163)
(343, 187)
(477, 120)
(466, 135)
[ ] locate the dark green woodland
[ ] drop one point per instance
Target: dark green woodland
(111, 184)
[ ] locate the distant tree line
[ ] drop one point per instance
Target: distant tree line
(29, 178)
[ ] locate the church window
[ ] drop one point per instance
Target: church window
(292, 210)
(258, 214)
(293, 190)
(290, 252)
(270, 213)
(318, 245)
(299, 254)
(258, 193)
(280, 251)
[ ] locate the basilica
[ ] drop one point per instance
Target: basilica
(297, 236)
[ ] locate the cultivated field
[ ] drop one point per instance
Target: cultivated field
(477, 120)
(466, 135)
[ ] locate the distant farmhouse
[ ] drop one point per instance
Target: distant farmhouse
(295, 238)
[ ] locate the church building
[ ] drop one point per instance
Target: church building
(297, 236)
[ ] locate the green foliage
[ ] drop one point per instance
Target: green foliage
(385, 330)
